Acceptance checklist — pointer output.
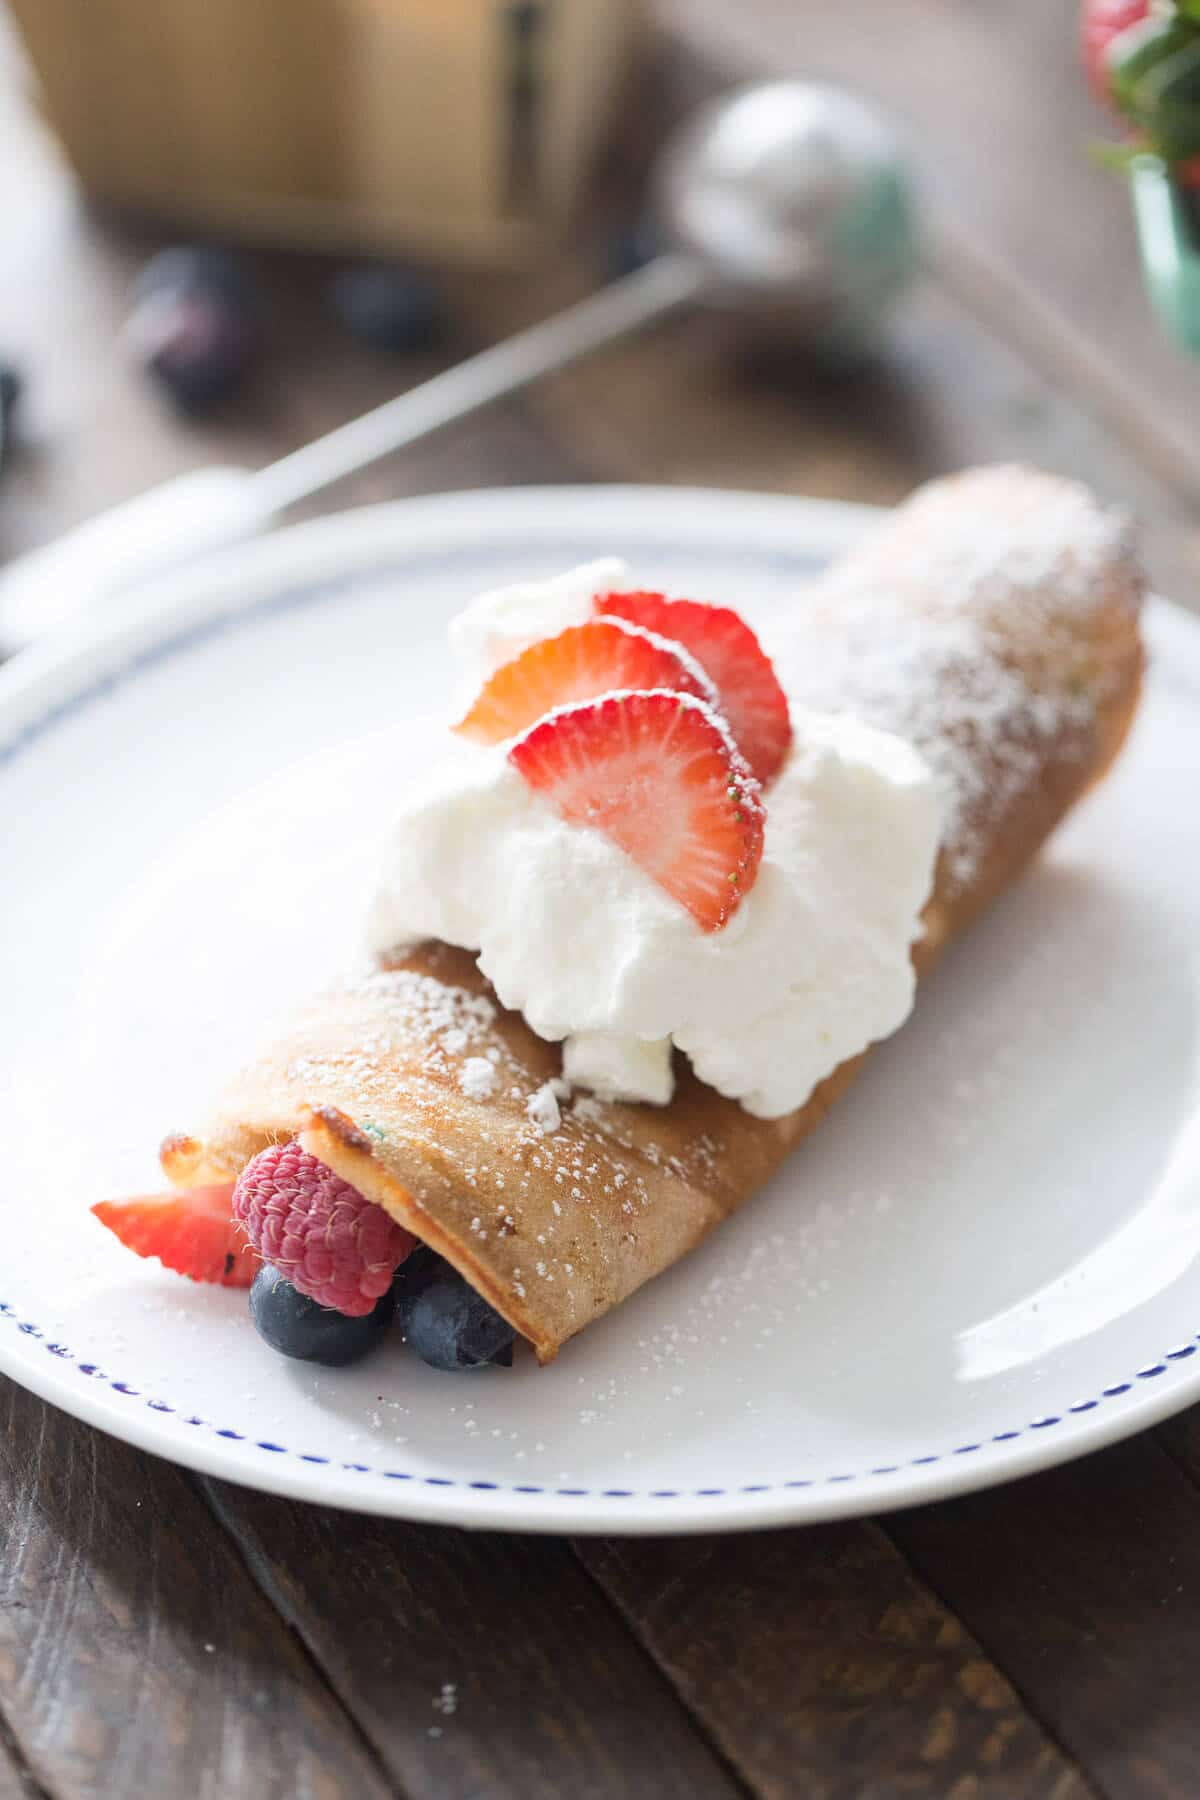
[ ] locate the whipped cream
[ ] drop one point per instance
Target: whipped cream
(620, 1068)
(500, 624)
(813, 966)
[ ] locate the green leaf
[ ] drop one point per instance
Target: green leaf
(1115, 156)
(1156, 84)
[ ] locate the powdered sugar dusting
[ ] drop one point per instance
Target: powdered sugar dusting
(543, 1107)
(477, 1078)
(943, 688)
(401, 1009)
(955, 629)
(933, 638)
(414, 1035)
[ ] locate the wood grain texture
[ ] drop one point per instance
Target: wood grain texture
(1040, 1640)
(551, 1696)
(972, 366)
(17, 1780)
(1084, 1585)
(999, 122)
(822, 1667)
(94, 431)
(1180, 1437)
(942, 393)
(136, 1655)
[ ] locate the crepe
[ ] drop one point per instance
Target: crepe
(993, 621)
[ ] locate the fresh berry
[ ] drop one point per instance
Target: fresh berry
(604, 656)
(749, 694)
(417, 1271)
(190, 1230)
(661, 776)
(388, 307)
(194, 325)
(298, 1326)
(421, 1270)
(450, 1326)
(314, 1228)
(1101, 23)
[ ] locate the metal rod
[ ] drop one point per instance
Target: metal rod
(654, 292)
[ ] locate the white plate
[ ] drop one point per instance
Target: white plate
(984, 1263)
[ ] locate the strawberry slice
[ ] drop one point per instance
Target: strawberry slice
(190, 1230)
(1101, 23)
(581, 663)
(748, 690)
(662, 777)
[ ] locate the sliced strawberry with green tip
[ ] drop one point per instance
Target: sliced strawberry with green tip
(189, 1230)
(660, 775)
(580, 663)
(748, 692)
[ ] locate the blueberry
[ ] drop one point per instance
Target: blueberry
(297, 1326)
(450, 1325)
(388, 307)
(414, 1274)
(194, 325)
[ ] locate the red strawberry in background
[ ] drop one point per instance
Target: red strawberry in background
(1101, 23)
(1143, 60)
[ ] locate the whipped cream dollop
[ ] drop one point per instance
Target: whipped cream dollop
(813, 966)
(501, 623)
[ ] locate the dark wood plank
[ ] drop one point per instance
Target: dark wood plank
(1180, 1437)
(551, 1695)
(815, 1661)
(94, 431)
(951, 383)
(1082, 1584)
(823, 1667)
(136, 1654)
(999, 121)
(943, 392)
(17, 1780)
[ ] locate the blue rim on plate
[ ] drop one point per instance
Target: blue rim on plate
(61, 682)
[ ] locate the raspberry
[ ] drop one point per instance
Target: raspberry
(318, 1231)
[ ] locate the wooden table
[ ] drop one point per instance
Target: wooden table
(170, 1636)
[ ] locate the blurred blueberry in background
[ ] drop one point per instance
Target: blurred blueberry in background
(195, 325)
(388, 306)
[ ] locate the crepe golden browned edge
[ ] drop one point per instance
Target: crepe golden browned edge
(556, 1229)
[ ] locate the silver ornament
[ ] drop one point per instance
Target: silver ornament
(796, 198)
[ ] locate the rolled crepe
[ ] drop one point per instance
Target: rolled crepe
(993, 621)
